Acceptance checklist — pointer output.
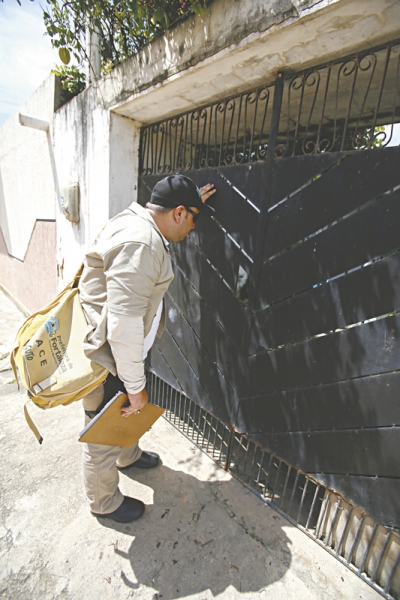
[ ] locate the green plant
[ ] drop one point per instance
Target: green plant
(124, 26)
(72, 78)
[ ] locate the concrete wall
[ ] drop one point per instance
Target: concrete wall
(27, 194)
(32, 282)
(98, 150)
(241, 44)
(26, 173)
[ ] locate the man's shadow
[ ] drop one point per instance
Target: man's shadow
(200, 536)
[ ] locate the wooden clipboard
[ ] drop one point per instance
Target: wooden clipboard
(111, 429)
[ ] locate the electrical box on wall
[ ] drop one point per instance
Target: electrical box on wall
(70, 202)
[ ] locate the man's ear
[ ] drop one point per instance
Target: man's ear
(178, 212)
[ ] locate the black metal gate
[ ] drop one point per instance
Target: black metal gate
(283, 315)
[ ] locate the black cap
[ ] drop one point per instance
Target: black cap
(176, 190)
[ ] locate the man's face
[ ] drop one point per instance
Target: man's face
(186, 223)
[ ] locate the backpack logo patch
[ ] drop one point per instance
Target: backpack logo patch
(52, 326)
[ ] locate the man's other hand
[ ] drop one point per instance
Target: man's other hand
(206, 191)
(137, 401)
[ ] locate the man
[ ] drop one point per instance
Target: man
(126, 275)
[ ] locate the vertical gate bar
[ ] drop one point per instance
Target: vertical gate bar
(350, 102)
(159, 160)
(156, 380)
(396, 86)
(155, 149)
(269, 470)
(203, 115)
(317, 142)
(161, 390)
(190, 162)
(180, 409)
(168, 394)
(298, 112)
(146, 151)
(310, 512)
(209, 136)
(196, 165)
(177, 399)
(262, 221)
(224, 104)
(353, 546)
(245, 127)
(253, 461)
(204, 429)
(165, 144)
(344, 530)
(276, 481)
(237, 130)
(231, 103)
(141, 150)
(392, 572)
(229, 449)
(198, 426)
(216, 113)
(216, 437)
(169, 401)
(378, 564)
(170, 159)
(184, 414)
(253, 127)
(239, 451)
(303, 495)
(246, 454)
(285, 486)
(304, 144)
(208, 437)
(293, 492)
(222, 444)
(191, 419)
(185, 142)
(369, 545)
(378, 102)
(259, 151)
(171, 404)
(339, 502)
(322, 517)
(174, 407)
(175, 124)
(260, 467)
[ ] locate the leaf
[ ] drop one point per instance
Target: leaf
(64, 55)
(198, 9)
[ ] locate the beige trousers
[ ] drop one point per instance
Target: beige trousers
(100, 473)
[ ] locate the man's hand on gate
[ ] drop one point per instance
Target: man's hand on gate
(206, 191)
(137, 401)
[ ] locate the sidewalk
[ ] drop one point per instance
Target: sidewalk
(203, 534)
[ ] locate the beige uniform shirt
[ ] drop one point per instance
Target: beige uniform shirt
(127, 271)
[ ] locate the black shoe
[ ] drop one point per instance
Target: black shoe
(148, 460)
(130, 510)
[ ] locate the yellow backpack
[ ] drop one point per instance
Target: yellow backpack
(49, 354)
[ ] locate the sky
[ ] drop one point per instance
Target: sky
(26, 54)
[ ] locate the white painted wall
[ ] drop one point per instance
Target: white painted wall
(99, 151)
(27, 187)
(124, 162)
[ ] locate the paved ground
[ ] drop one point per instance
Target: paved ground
(203, 534)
